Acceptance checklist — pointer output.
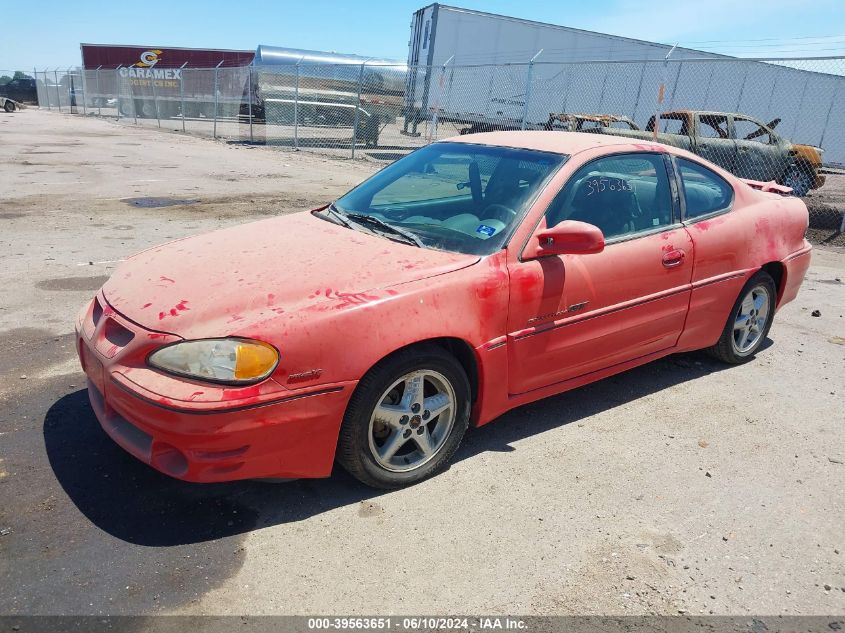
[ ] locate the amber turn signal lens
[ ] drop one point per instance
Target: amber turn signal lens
(254, 360)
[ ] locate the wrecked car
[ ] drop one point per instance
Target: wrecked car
(10, 105)
(470, 277)
(564, 122)
(744, 146)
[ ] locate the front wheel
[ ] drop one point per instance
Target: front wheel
(406, 418)
(799, 180)
(749, 321)
(9, 106)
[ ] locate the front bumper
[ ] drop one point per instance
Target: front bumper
(199, 432)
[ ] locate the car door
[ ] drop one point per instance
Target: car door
(713, 142)
(570, 315)
(757, 151)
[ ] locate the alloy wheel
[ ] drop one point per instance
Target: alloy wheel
(750, 320)
(412, 420)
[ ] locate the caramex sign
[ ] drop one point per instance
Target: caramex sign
(142, 72)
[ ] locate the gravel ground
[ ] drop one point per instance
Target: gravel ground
(827, 205)
(681, 486)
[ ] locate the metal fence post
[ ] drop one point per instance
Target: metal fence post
(71, 91)
(70, 88)
(357, 108)
(741, 90)
(661, 92)
(639, 91)
(249, 95)
(44, 91)
(528, 83)
(800, 107)
(439, 103)
(833, 100)
(58, 96)
(216, 96)
(84, 91)
(117, 85)
(295, 111)
(134, 103)
(182, 93)
(99, 94)
(155, 101)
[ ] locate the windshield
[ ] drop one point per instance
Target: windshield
(454, 196)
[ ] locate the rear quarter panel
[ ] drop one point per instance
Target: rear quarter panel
(761, 228)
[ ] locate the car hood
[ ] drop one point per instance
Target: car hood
(219, 283)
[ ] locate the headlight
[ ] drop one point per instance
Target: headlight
(218, 360)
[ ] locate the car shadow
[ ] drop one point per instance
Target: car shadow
(134, 503)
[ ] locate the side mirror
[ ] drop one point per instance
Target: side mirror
(569, 237)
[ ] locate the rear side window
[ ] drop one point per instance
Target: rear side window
(705, 191)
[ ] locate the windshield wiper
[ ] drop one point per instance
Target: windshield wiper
(371, 221)
(339, 215)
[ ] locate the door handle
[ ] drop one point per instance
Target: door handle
(674, 258)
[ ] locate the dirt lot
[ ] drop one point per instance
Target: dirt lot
(826, 206)
(681, 486)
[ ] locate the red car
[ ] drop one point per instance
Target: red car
(467, 278)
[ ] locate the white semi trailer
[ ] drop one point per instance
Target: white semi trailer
(471, 67)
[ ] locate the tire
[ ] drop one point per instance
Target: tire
(799, 179)
(147, 109)
(738, 343)
(9, 106)
(384, 452)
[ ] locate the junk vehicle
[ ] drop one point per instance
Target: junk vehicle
(10, 105)
(152, 82)
(736, 142)
(479, 274)
(20, 90)
(558, 122)
(588, 122)
(317, 88)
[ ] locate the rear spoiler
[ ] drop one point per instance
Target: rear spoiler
(770, 186)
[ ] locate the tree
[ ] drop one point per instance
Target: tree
(4, 79)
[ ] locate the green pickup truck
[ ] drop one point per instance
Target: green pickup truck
(736, 142)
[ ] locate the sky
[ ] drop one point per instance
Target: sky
(48, 33)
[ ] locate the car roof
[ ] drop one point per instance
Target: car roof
(550, 141)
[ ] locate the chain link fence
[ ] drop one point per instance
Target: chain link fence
(764, 119)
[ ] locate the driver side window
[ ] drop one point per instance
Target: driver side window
(623, 195)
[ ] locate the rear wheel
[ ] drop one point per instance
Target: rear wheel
(749, 321)
(9, 106)
(405, 419)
